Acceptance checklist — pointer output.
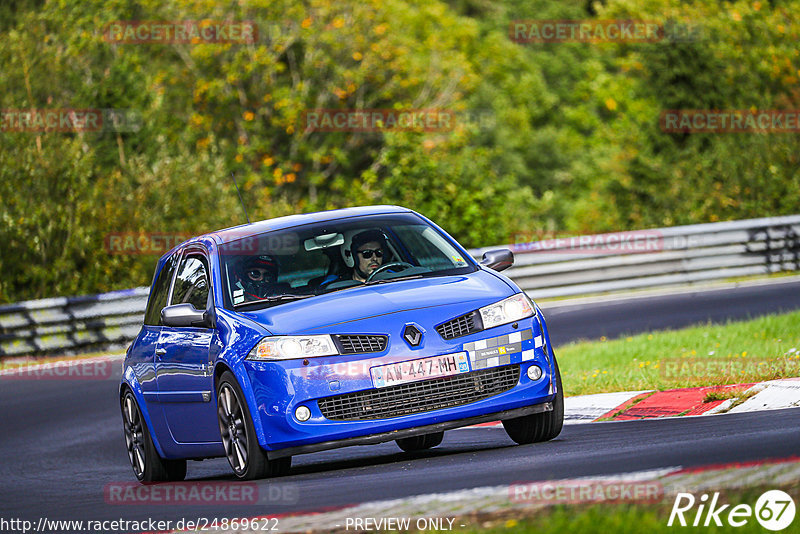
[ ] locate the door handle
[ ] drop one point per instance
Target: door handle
(161, 352)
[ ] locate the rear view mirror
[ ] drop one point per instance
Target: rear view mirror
(323, 241)
(498, 259)
(186, 315)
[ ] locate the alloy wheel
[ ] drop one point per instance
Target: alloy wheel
(233, 429)
(134, 435)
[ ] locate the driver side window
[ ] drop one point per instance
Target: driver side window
(191, 284)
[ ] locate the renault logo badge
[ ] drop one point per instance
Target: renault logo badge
(412, 335)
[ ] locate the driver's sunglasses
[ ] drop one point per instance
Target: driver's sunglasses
(367, 253)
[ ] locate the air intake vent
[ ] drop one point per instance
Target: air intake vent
(360, 344)
(461, 326)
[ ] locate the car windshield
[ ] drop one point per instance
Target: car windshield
(281, 266)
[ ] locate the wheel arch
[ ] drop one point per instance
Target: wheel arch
(545, 333)
(548, 347)
(130, 383)
(240, 374)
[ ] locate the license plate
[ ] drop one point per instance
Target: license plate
(425, 368)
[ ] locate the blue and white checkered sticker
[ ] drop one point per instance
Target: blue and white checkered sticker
(496, 351)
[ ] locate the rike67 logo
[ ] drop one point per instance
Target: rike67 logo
(774, 510)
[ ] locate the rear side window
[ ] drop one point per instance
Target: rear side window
(191, 284)
(159, 292)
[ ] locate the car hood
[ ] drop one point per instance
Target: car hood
(357, 304)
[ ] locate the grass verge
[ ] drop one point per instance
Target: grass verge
(705, 355)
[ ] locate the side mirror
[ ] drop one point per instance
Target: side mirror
(186, 315)
(498, 260)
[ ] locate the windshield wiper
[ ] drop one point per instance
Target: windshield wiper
(274, 298)
(384, 280)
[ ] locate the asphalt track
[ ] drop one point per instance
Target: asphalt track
(61, 441)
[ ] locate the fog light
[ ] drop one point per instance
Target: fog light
(304, 414)
(534, 372)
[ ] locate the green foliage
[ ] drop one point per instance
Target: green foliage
(568, 138)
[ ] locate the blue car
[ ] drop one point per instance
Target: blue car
(311, 332)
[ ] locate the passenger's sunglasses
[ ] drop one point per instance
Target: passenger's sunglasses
(257, 274)
(367, 253)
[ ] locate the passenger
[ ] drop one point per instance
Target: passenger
(257, 276)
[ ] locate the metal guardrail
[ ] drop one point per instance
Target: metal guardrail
(62, 324)
(655, 258)
(550, 268)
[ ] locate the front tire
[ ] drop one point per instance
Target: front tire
(539, 426)
(420, 443)
(147, 465)
(245, 456)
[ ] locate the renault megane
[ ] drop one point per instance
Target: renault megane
(311, 332)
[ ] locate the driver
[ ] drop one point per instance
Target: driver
(257, 276)
(368, 250)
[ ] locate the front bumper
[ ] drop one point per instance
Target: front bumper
(280, 387)
(392, 435)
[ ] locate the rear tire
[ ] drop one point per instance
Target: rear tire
(420, 443)
(147, 465)
(245, 456)
(539, 426)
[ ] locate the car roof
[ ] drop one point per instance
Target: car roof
(281, 223)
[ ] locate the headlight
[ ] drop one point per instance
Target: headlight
(507, 311)
(291, 347)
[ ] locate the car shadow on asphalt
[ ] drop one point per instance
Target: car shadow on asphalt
(365, 457)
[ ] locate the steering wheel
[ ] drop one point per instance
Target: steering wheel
(382, 268)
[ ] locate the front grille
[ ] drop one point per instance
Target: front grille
(461, 326)
(424, 396)
(355, 344)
